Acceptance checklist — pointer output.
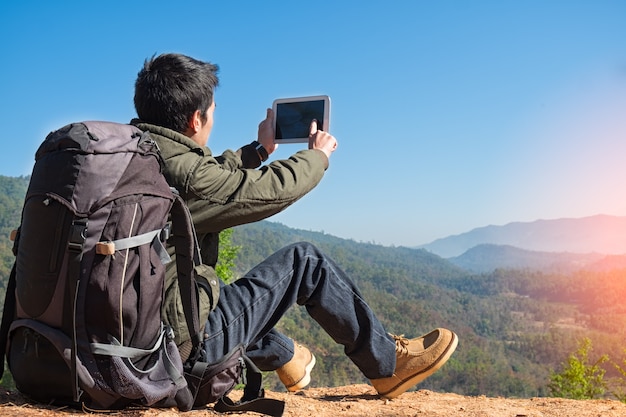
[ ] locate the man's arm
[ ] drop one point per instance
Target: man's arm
(221, 193)
(221, 198)
(255, 153)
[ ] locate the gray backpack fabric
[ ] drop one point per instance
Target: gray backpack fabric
(82, 322)
(89, 273)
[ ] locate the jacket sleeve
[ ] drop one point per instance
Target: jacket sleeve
(221, 195)
(245, 157)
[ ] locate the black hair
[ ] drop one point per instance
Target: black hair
(171, 87)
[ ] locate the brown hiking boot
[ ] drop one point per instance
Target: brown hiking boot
(416, 359)
(296, 374)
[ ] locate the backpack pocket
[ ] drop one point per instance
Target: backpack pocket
(208, 293)
(207, 279)
(158, 380)
(39, 360)
(43, 240)
(209, 382)
(38, 368)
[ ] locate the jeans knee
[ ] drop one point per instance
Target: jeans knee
(307, 245)
(305, 248)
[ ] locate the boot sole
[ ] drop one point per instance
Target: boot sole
(306, 379)
(416, 379)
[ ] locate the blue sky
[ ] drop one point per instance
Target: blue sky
(450, 115)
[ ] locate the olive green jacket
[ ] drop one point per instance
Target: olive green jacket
(226, 191)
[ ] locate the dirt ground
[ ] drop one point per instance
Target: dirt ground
(361, 400)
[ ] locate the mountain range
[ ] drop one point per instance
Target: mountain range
(488, 257)
(599, 234)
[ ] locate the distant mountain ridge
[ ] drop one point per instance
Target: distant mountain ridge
(488, 257)
(601, 234)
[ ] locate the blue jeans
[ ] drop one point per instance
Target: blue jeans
(249, 308)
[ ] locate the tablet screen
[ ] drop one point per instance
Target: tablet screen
(293, 119)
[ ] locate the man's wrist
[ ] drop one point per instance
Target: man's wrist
(260, 149)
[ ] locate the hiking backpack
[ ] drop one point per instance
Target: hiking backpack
(82, 321)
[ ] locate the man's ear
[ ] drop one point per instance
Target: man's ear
(195, 122)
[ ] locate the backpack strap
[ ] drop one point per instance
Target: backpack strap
(154, 237)
(187, 257)
(267, 406)
(253, 396)
(8, 315)
(78, 234)
(10, 303)
(115, 348)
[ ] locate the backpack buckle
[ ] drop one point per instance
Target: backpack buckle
(166, 232)
(77, 235)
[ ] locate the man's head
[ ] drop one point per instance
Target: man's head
(176, 91)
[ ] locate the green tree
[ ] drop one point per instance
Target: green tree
(228, 252)
(579, 379)
(618, 388)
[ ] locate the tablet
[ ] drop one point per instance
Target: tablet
(293, 116)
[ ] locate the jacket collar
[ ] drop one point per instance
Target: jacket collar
(160, 133)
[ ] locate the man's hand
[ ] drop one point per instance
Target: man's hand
(266, 133)
(324, 141)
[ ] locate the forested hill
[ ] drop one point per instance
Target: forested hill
(259, 240)
(514, 325)
(12, 192)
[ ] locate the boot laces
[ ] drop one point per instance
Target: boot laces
(402, 343)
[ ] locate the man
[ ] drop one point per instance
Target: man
(175, 103)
